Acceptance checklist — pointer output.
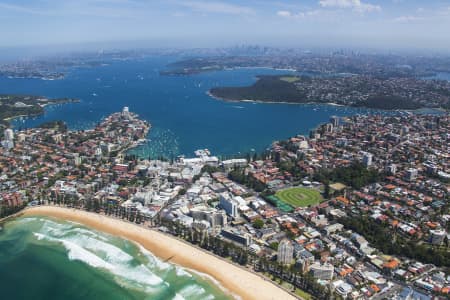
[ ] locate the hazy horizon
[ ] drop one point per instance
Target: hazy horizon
(91, 24)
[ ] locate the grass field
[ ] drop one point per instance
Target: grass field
(299, 197)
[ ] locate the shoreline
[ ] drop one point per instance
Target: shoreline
(418, 110)
(276, 102)
(43, 106)
(234, 279)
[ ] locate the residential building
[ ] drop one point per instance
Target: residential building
(322, 271)
(285, 252)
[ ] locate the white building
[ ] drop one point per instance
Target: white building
(77, 160)
(285, 252)
(214, 217)
(334, 120)
(229, 205)
(322, 271)
(126, 112)
(9, 134)
(391, 169)
(98, 151)
(234, 163)
(342, 288)
(437, 236)
(367, 159)
(237, 236)
(7, 144)
(411, 174)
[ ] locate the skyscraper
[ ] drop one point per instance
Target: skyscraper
(8, 142)
(367, 159)
(285, 252)
(126, 113)
(9, 134)
(334, 120)
(229, 205)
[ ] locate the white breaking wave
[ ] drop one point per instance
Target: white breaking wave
(182, 272)
(89, 233)
(79, 253)
(191, 291)
(153, 260)
(116, 261)
(106, 253)
(112, 253)
(178, 297)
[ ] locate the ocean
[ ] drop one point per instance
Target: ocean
(183, 116)
(43, 258)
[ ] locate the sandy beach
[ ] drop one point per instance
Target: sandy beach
(238, 281)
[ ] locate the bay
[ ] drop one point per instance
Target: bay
(183, 116)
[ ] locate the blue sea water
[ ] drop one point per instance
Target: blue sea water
(183, 116)
(52, 259)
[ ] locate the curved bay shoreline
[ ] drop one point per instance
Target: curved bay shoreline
(433, 110)
(238, 281)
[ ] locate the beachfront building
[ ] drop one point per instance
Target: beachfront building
(236, 236)
(322, 271)
(285, 252)
(216, 218)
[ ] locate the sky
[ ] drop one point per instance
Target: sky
(219, 23)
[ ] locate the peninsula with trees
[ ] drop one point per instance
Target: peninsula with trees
(14, 106)
(355, 90)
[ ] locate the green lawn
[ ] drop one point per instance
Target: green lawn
(303, 294)
(299, 197)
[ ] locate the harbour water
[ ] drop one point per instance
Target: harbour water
(42, 258)
(183, 117)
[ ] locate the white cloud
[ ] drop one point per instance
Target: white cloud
(407, 19)
(284, 13)
(314, 12)
(291, 15)
(336, 3)
(355, 5)
(217, 7)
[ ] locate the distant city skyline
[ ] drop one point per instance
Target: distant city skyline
(399, 24)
